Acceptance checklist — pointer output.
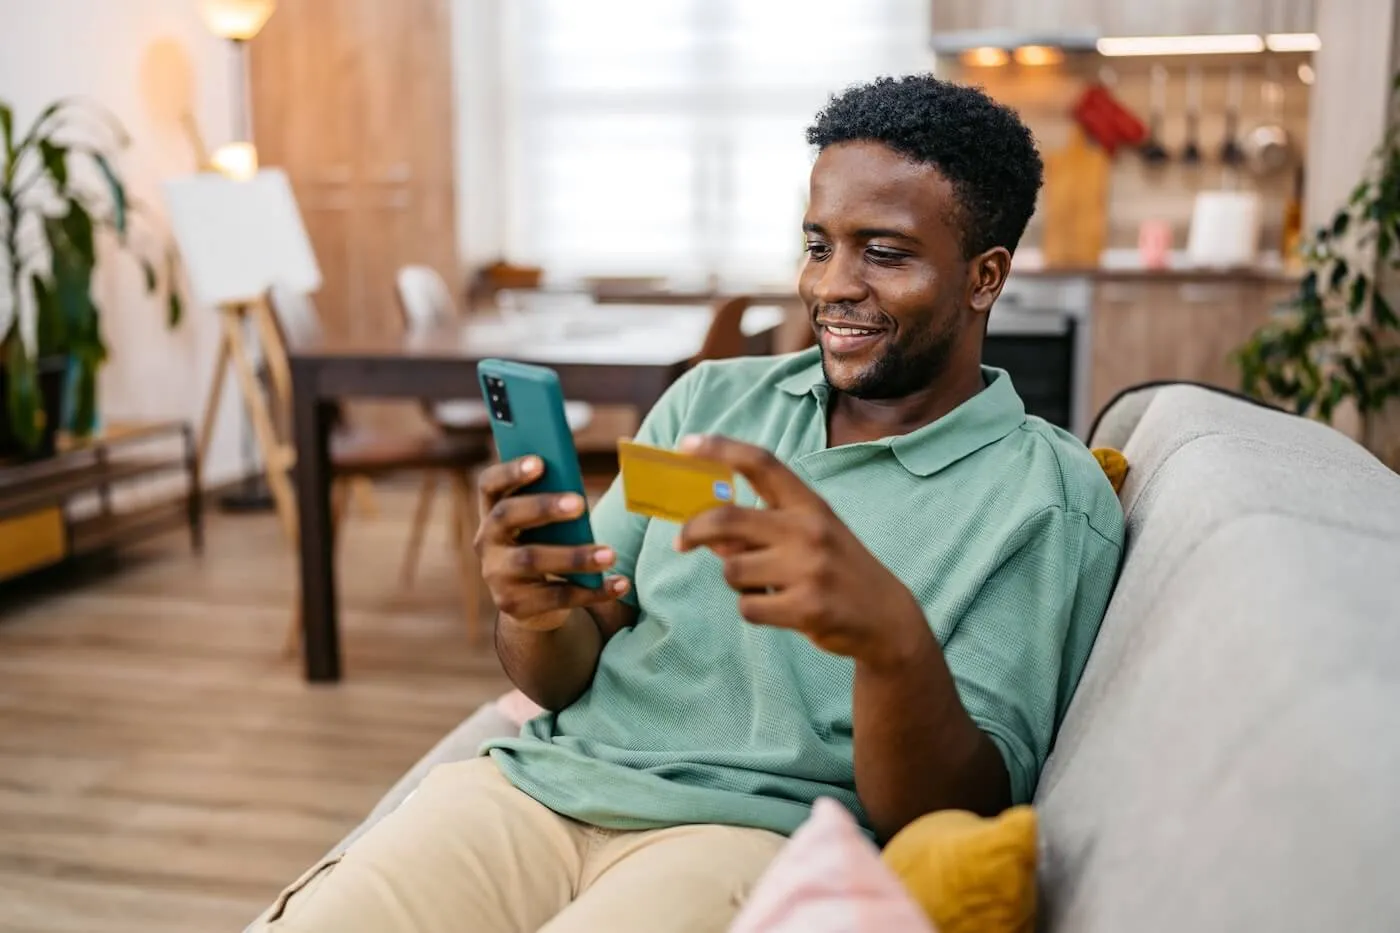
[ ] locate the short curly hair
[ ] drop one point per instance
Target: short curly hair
(980, 146)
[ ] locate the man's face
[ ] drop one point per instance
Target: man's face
(885, 280)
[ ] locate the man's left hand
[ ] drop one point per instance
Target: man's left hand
(796, 565)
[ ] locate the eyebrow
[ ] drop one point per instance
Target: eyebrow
(868, 233)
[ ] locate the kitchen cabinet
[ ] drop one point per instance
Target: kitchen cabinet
(1174, 328)
(1117, 18)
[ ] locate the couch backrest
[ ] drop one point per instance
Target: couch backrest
(1231, 759)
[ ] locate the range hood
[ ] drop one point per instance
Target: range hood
(957, 41)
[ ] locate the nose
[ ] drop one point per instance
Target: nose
(839, 280)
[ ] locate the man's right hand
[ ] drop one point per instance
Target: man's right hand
(524, 579)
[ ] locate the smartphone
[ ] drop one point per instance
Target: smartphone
(527, 417)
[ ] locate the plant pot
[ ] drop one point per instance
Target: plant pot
(53, 387)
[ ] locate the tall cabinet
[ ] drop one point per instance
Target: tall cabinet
(353, 98)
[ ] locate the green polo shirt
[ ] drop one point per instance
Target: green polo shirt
(1003, 526)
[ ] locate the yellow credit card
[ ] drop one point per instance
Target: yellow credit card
(672, 486)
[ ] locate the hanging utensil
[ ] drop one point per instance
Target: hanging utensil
(1152, 150)
(1231, 152)
(1268, 146)
(1191, 151)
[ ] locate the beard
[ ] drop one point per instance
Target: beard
(904, 367)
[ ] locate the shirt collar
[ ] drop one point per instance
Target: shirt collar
(984, 419)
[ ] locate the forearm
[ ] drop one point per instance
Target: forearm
(916, 748)
(554, 667)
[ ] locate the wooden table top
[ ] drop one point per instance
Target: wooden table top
(601, 334)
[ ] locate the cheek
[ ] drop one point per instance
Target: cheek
(909, 293)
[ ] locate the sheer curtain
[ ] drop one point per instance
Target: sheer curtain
(665, 137)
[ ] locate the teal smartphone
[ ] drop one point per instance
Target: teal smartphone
(527, 417)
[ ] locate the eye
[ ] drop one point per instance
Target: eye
(817, 250)
(886, 256)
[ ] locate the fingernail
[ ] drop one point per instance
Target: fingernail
(532, 464)
(691, 442)
(604, 555)
(619, 585)
(570, 503)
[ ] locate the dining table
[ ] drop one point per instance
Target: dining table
(604, 354)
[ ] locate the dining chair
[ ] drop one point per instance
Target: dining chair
(426, 304)
(725, 337)
(362, 453)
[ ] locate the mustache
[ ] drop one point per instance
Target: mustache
(846, 315)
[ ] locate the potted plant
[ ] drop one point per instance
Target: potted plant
(1335, 341)
(60, 194)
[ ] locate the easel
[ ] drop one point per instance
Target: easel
(278, 457)
(239, 239)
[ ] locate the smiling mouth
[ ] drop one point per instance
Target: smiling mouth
(847, 338)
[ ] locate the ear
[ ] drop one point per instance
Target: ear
(988, 273)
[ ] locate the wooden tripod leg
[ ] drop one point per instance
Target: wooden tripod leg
(275, 458)
(340, 501)
(421, 513)
(465, 518)
(211, 407)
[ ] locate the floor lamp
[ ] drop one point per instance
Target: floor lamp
(238, 21)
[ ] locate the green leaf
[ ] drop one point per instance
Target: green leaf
(77, 227)
(1385, 314)
(175, 303)
(83, 413)
(150, 272)
(1339, 272)
(119, 202)
(1383, 243)
(7, 130)
(56, 161)
(50, 325)
(26, 415)
(1340, 223)
(1357, 300)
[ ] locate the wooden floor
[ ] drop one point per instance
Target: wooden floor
(164, 768)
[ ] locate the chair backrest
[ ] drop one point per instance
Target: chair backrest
(296, 315)
(725, 338)
(424, 299)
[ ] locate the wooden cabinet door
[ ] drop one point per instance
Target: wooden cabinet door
(353, 98)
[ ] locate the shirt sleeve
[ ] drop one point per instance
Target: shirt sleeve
(1017, 654)
(613, 525)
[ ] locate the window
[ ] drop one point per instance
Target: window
(665, 137)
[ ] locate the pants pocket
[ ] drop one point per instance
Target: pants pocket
(303, 885)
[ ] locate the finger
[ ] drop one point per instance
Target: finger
(731, 526)
(528, 602)
(535, 560)
(781, 609)
(517, 513)
(759, 571)
(770, 478)
(502, 479)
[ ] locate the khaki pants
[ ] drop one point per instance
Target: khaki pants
(468, 853)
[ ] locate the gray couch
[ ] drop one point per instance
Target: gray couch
(1231, 760)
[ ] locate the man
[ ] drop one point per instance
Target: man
(894, 614)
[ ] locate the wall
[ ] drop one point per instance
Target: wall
(146, 61)
(1045, 96)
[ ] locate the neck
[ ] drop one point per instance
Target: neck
(853, 420)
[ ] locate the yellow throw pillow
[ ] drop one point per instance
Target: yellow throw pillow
(970, 874)
(1115, 466)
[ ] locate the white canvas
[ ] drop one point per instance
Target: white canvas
(240, 238)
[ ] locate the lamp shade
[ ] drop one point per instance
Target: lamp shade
(236, 19)
(238, 160)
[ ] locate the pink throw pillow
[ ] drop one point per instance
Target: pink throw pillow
(518, 708)
(829, 878)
